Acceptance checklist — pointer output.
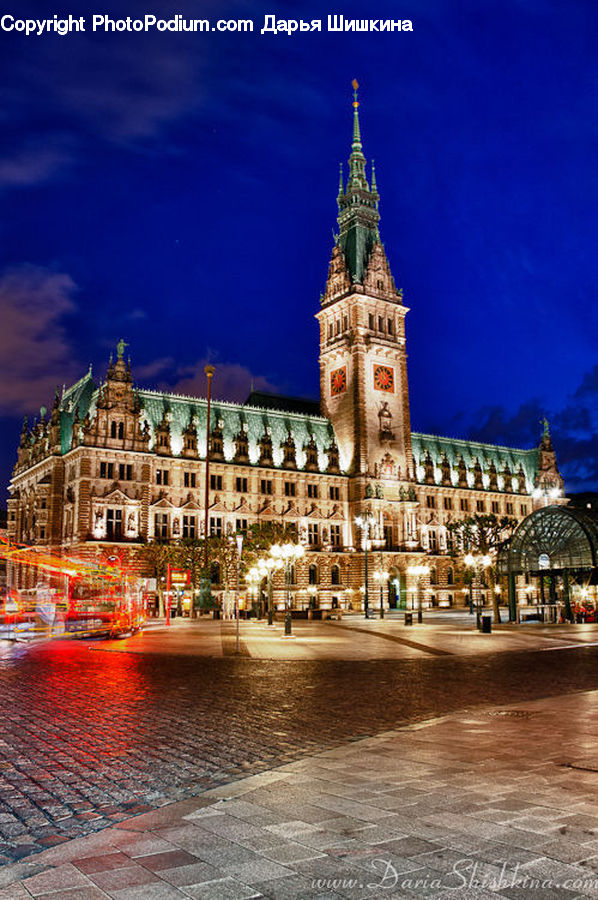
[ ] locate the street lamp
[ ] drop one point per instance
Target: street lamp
(381, 577)
(253, 578)
(366, 523)
(478, 563)
(419, 572)
(287, 554)
(239, 540)
(266, 568)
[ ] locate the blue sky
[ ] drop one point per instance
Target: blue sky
(178, 190)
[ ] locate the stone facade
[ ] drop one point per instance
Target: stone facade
(115, 466)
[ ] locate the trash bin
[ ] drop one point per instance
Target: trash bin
(486, 624)
(408, 618)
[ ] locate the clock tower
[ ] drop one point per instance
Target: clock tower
(363, 364)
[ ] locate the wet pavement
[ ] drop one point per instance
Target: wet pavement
(93, 732)
(499, 802)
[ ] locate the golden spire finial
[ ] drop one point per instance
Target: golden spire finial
(355, 85)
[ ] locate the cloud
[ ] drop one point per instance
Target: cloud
(573, 426)
(230, 382)
(32, 165)
(34, 349)
(153, 369)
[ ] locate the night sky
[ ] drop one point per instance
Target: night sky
(178, 190)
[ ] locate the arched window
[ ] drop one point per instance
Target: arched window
(215, 573)
(335, 575)
(293, 575)
(432, 575)
(450, 576)
(121, 430)
(313, 574)
(113, 429)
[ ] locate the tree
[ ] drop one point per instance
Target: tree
(483, 535)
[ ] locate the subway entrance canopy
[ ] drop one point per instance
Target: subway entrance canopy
(557, 545)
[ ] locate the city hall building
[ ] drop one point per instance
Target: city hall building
(115, 465)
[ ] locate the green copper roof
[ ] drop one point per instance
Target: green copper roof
(232, 417)
(471, 452)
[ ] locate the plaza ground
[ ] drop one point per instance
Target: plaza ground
(353, 759)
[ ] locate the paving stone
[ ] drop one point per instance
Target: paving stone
(118, 879)
(65, 876)
(222, 889)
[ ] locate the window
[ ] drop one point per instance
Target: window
(450, 576)
(431, 502)
(313, 534)
(433, 544)
(335, 535)
(371, 321)
(215, 573)
(479, 506)
(510, 509)
(495, 506)
(448, 502)
(113, 430)
(335, 575)
(334, 493)
(380, 323)
(189, 479)
(433, 576)
(189, 524)
(241, 485)
(337, 326)
(390, 326)
(42, 533)
(106, 470)
(163, 439)
(125, 472)
(43, 503)
(313, 574)
(161, 476)
(388, 536)
(312, 491)
(114, 523)
(289, 488)
(215, 482)
(160, 525)
(330, 331)
(266, 486)
(449, 541)
(216, 526)
(464, 504)
(241, 526)
(345, 323)
(523, 509)
(117, 429)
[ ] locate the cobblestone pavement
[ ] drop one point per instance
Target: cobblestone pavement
(89, 738)
(499, 802)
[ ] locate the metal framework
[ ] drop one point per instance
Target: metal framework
(552, 539)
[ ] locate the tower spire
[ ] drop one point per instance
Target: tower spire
(358, 205)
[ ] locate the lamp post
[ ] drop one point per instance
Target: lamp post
(287, 554)
(419, 572)
(478, 563)
(266, 568)
(239, 540)
(366, 523)
(381, 577)
(253, 578)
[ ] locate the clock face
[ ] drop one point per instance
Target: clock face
(384, 379)
(338, 381)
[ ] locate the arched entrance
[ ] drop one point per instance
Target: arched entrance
(555, 550)
(396, 589)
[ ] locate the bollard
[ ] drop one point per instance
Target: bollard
(408, 618)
